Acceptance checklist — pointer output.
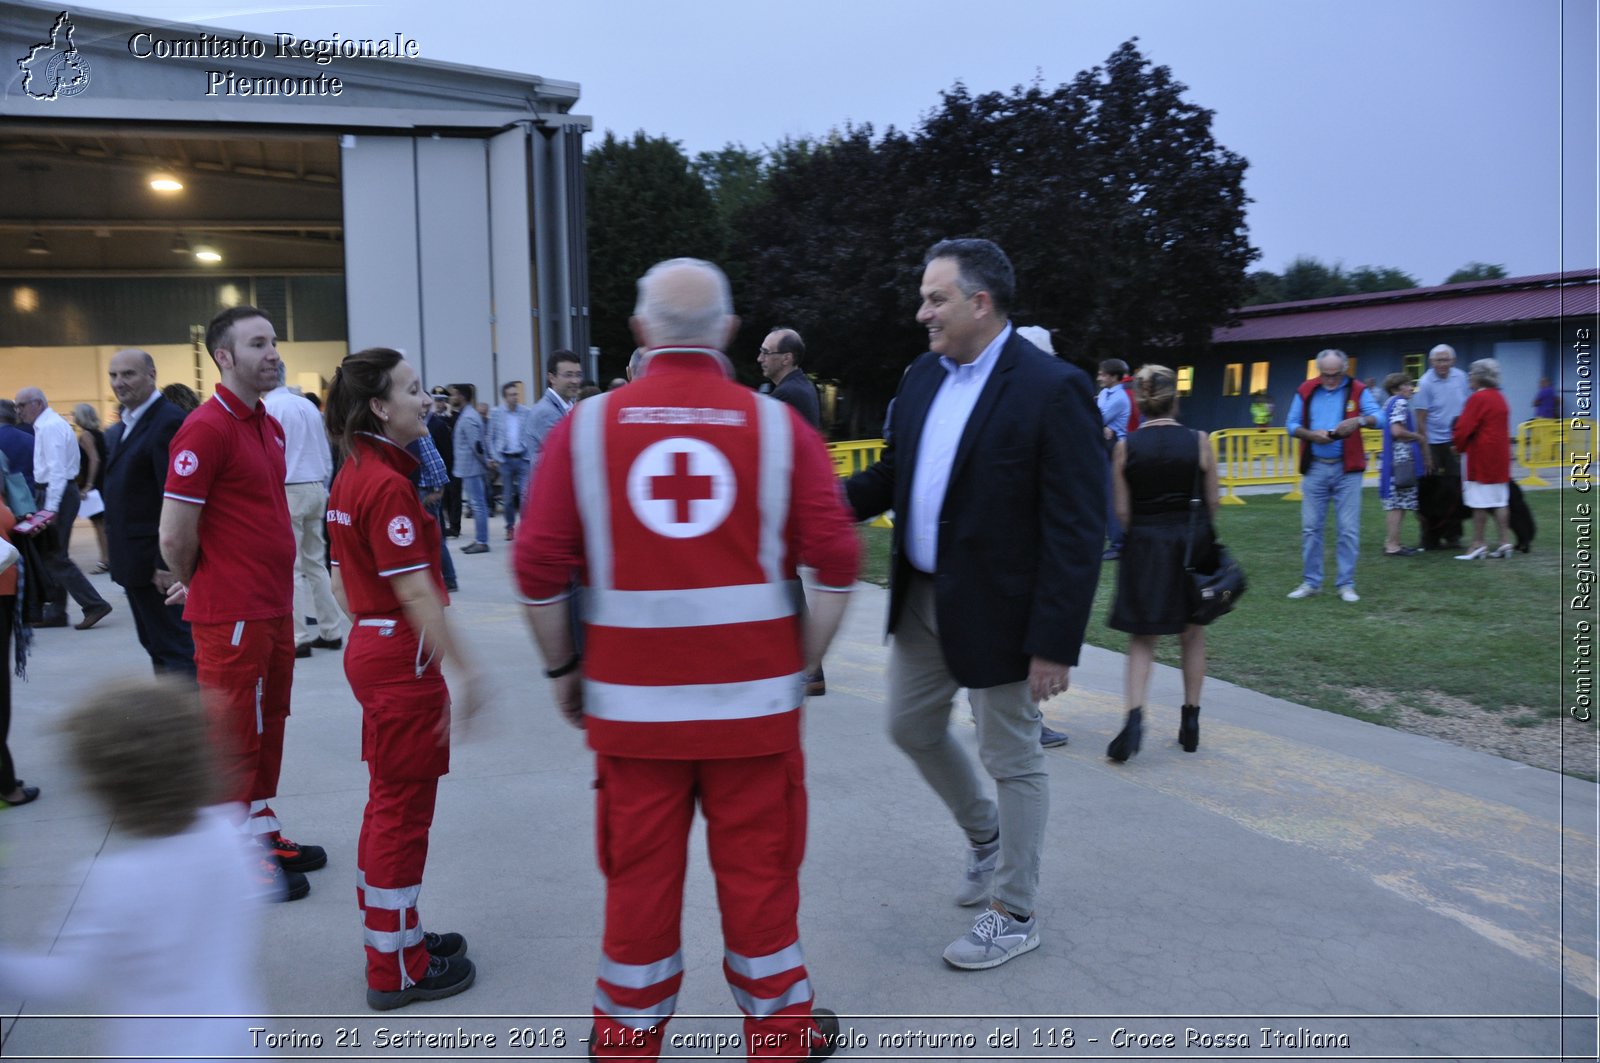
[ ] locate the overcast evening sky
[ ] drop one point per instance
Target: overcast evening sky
(1420, 134)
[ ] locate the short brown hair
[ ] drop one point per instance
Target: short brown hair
(1396, 380)
(144, 750)
(220, 332)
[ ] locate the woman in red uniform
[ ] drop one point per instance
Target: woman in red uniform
(385, 549)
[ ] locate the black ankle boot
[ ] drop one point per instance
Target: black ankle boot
(1189, 729)
(1126, 744)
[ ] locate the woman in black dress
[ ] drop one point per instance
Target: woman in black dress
(1155, 472)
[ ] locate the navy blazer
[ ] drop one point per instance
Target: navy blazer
(1023, 520)
(135, 479)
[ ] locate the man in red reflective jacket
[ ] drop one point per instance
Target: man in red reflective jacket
(687, 501)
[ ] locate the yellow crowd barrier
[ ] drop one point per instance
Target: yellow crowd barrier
(1551, 443)
(853, 455)
(1263, 457)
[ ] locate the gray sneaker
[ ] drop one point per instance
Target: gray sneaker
(993, 939)
(979, 880)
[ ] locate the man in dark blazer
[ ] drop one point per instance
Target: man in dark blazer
(996, 475)
(780, 358)
(135, 479)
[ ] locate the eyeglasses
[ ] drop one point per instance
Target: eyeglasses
(764, 353)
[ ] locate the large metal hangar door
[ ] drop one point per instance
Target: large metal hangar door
(111, 238)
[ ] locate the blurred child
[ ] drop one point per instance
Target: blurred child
(166, 923)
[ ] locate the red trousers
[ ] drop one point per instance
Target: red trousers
(246, 669)
(755, 810)
(401, 712)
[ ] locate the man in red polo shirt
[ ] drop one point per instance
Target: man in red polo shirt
(228, 541)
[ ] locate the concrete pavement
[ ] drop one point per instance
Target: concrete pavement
(1304, 886)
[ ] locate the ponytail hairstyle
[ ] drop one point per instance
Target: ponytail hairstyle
(1155, 388)
(360, 378)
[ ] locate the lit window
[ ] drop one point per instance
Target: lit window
(1415, 364)
(1185, 379)
(1232, 378)
(1258, 376)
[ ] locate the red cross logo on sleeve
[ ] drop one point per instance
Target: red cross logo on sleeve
(185, 463)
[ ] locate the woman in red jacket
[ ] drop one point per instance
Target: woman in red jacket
(385, 551)
(1483, 439)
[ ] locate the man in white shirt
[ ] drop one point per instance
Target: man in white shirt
(55, 468)
(309, 465)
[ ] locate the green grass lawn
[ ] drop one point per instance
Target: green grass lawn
(1485, 632)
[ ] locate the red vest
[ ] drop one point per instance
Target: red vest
(1133, 404)
(682, 480)
(1355, 455)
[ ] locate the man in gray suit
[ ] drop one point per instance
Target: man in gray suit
(563, 379)
(471, 465)
(510, 433)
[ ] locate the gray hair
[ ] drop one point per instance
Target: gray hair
(86, 416)
(684, 301)
(1486, 370)
(1445, 349)
(635, 363)
(1344, 359)
(1039, 336)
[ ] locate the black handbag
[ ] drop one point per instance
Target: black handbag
(1403, 474)
(1212, 593)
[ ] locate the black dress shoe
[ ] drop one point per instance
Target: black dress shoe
(1128, 740)
(50, 621)
(326, 644)
(303, 650)
(29, 794)
(1189, 729)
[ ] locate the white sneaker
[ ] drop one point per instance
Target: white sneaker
(979, 880)
(993, 939)
(1349, 594)
(1305, 590)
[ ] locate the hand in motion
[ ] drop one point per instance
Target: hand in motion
(568, 690)
(475, 694)
(1046, 679)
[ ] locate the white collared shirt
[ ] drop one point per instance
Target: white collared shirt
(306, 455)
(941, 435)
(56, 456)
(566, 407)
(131, 417)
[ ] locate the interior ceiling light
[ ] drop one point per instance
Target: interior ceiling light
(180, 245)
(165, 182)
(206, 254)
(37, 244)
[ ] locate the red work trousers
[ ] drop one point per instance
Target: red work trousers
(401, 711)
(245, 669)
(755, 810)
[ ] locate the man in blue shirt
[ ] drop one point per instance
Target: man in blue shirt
(1440, 396)
(1114, 410)
(1327, 416)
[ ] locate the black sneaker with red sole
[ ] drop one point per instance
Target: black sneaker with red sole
(445, 978)
(296, 857)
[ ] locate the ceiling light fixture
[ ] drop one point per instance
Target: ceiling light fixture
(165, 182)
(37, 244)
(180, 245)
(207, 255)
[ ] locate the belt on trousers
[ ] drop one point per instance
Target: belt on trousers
(1329, 461)
(387, 626)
